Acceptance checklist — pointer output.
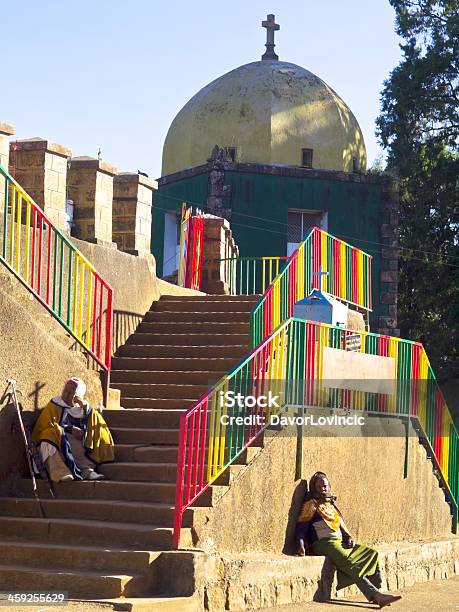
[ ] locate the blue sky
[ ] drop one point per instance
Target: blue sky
(113, 74)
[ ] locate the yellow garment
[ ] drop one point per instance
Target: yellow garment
(98, 441)
(327, 511)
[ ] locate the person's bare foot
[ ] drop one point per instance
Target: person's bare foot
(301, 551)
(384, 599)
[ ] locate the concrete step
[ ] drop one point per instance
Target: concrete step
(160, 391)
(148, 403)
(140, 472)
(146, 454)
(216, 364)
(203, 377)
(54, 556)
(163, 492)
(148, 419)
(190, 339)
(204, 306)
(225, 351)
(128, 453)
(209, 298)
(159, 514)
(170, 316)
(90, 533)
(131, 435)
(83, 583)
(192, 327)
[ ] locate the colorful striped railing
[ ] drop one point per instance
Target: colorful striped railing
(250, 275)
(320, 262)
(191, 248)
(291, 362)
(57, 273)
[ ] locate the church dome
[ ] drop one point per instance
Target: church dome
(267, 112)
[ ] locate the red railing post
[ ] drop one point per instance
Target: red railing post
(108, 339)
(178, 511)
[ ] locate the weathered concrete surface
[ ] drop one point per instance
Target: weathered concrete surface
(91, 189)
(40, 167)
(132, 202)
(6, 130)
(256, 580)
(367, 474)
(437, 595)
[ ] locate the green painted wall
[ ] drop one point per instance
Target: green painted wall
(259, 219)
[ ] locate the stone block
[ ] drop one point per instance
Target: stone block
(283, 594)
(6, 130)
(214, 599)
(132, 201)
(387, 323)
(40, 167)
(389, 276)
(388, 298)
(91, 189)
(236, 599)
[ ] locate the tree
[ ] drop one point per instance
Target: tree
(419, 128)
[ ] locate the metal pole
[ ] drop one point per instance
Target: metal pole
(12, 383)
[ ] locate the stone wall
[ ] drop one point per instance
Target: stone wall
(219, 245)
(249, 582)
(367, 474)
(40, 167)
(132, 202)
(91, 190)
(389, 255)
(6, 130)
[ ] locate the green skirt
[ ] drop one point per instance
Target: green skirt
(351, 563)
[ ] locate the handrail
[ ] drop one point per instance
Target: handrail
(290, 363)
(322, 262)
(56, 273)
(250, 275)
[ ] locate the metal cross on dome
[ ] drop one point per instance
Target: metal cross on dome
(271, 27)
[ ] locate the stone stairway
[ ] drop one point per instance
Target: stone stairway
(104, 539)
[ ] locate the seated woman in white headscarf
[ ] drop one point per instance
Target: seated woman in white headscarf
(73, 437)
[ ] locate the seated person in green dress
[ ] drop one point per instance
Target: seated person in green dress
(321, 530)
(73, 438)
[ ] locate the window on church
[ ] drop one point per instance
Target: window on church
(306, 158)
(230, 153)
(300, 223)
(355, 164)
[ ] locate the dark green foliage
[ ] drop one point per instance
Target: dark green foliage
(419, 127)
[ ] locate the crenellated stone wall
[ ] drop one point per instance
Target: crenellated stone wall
(6, 130)
(132, 202)
(91, 190)
(40, 167)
